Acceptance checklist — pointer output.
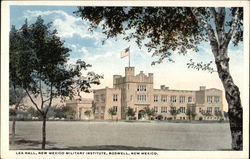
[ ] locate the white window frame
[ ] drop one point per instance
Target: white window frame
(216, 99)
(141, 88)
(183, 109)
(155, 98)
(115, 107)
(156, 109)
(141, 98)
(164, 109)
(182, 99)
(210, 110)
(209, 99)
(115, 97)
(173, 99)
(164, 98)
(190, 99)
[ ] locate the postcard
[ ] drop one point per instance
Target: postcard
(125, 79)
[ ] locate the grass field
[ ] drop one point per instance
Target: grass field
(77, 135)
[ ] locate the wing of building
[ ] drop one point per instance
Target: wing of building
(137, 92)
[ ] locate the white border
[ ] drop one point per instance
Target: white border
(5, 153)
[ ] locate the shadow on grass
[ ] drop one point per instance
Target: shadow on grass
(106, 147)
(32, 142)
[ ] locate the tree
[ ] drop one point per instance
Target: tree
(159, 117)
(218, 114)
(207, 114)
(33, 112)
(149, 112)
(130, 112)
(112, 112)
(87, 113)
(225, 115)
(174, 112)
(41, 68)
(191, 114)
(68, 112)
(16, 93)
(166, 30)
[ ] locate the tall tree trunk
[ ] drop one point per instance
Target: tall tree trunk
(13, 130)
(232, 94)
(13, 133)
(44, 133)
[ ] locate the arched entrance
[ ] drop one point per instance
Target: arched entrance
(141, 115)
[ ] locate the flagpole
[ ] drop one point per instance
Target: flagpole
(129, 59)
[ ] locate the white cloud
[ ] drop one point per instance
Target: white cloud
(101, 56)
(84, 51)
(67, 25)
(73, 46)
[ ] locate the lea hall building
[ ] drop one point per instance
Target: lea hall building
(136, 91)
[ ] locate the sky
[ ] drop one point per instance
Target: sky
(105, 58)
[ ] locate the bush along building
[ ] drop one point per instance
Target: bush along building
(133, 97)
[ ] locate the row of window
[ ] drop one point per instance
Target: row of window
(165, 109)
(173, 99)
(210, 110)
(100, 98)
(164, 98)
(141, 88)
(213, 99)
(102, 109)
(141, 98)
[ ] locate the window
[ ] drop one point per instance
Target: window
(216, 99)
(141, 88)
(182, 99)
(200, 110)
(96, 98)
(141, 98)
(103, 98)
(190, 99)
(164, 98)
(173, 108)
(182, 109)
(216, 109)
(97, 110)
(209, 110)
(115, 99)
(173, 99)
(102, 109)
(115, 108)
(155, 98)
(163, 109)
(156, 109)
(209, 99)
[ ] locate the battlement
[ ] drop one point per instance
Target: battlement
(129, 71)
(131, 77)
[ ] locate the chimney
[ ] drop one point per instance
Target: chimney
(202, 88)
(162, 86)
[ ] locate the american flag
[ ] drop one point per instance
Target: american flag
(125, 52)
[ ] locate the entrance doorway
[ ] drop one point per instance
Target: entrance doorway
(141, 115)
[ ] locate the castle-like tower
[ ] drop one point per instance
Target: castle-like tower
(136, 90)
